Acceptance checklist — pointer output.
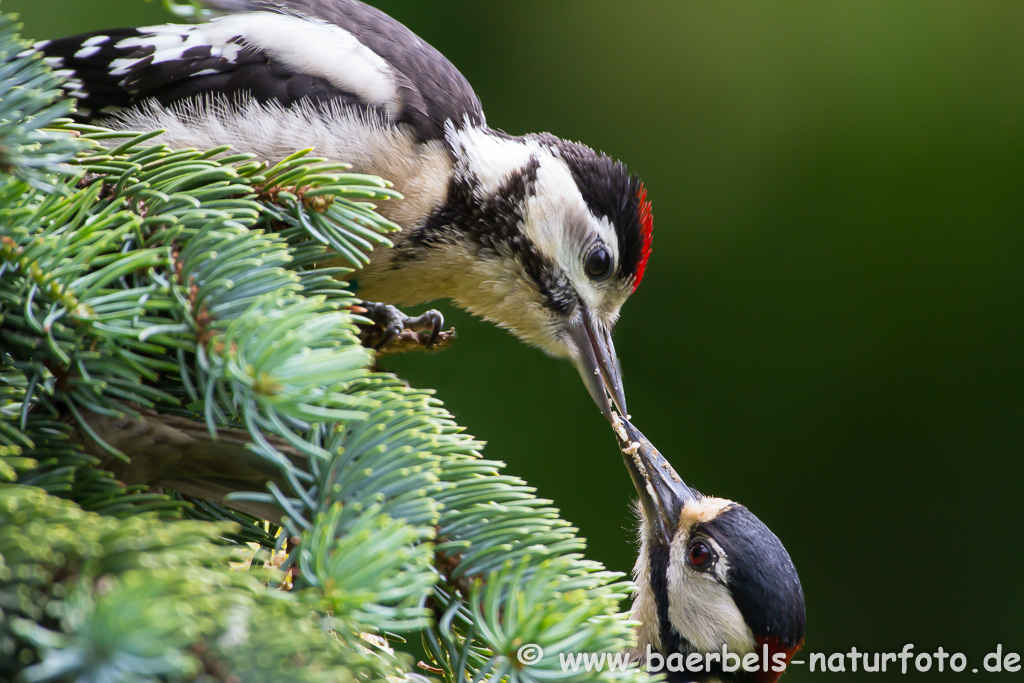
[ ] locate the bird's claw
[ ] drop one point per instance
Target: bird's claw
(432, 320)
(391, 322)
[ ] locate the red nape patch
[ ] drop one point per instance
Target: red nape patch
(647, 231)
(775, 654)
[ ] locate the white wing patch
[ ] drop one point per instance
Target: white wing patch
(87, 52)
(170, 41)
(319, 49)
(307, 46)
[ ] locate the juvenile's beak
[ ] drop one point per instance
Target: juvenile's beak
(597, 363)
(662, 492)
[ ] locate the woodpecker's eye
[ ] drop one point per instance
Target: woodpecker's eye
(599, 263)
(699, 555)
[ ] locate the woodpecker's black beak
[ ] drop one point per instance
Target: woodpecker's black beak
(663, 494)
(597, 363)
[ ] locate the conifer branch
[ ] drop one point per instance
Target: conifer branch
(177, 339)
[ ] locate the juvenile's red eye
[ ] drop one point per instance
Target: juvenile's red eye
(699, 555)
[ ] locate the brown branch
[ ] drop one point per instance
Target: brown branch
(176, 453)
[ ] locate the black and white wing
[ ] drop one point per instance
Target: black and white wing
(323, 52)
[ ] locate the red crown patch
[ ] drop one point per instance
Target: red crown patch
(647, 231)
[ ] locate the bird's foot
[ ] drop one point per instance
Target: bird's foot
(392, 331)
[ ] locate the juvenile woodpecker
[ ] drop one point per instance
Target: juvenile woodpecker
(709, 575)
(543, 236)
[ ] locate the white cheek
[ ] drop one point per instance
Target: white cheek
(559, 222)
(702, 610)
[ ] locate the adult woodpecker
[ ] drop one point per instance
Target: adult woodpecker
(709, 575)
(543, 236)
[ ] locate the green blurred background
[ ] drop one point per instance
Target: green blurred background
(832, 325)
